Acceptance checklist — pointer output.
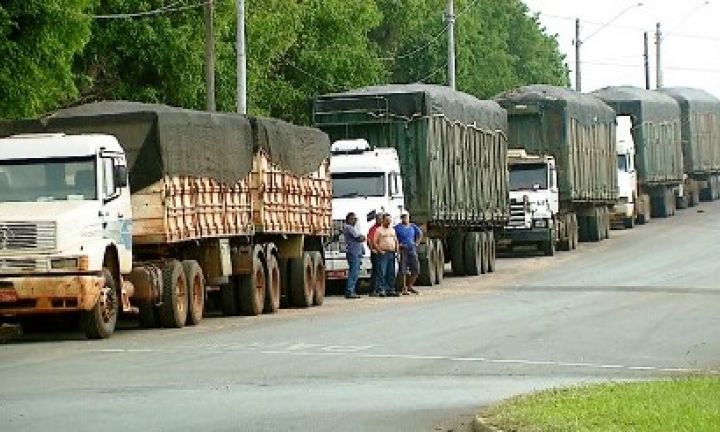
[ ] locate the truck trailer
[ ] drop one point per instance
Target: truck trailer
(563, 175)
(700, 130)
(658, 158)
(452, 149)
(126, 208)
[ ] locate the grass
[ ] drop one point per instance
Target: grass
(686, 404)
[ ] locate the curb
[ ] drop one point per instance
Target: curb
(479, 424)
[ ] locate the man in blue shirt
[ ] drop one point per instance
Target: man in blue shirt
(409, 236)
(354, 241)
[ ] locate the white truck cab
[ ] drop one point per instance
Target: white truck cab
(65, 224)
(364, 181)
(623, 213)
(534, 201)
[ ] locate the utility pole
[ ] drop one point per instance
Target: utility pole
(646, 61)
(450, 18)
(209, 56)
(241, 59)
(578, 44)
(658, 58)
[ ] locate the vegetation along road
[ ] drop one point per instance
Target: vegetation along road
(642, 305)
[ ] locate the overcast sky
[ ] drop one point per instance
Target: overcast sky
(613, 55)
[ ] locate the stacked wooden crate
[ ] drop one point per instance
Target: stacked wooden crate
(284, 202)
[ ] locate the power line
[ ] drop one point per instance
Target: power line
(676, 68)
(172, 7)
(432, 74)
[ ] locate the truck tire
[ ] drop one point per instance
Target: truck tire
(148, 315)
(428, 265)
(629, 222)
(473, 254)
(484, 252)
(251, 290)
(99, 322)
(606, 222)
(493, 252)
(548, 247)
(302, 281)
(196, 291)
(574, 232)
(319, 291)
(272, 285)
(457, 255)
(229, 297)
(440, 257)
(173, 310)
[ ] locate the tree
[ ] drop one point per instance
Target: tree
(38, 42)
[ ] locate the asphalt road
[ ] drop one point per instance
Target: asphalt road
(644, 304)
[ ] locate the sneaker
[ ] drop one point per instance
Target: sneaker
(352, 296)
(405, 293)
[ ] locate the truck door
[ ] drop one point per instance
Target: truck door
(116, 212)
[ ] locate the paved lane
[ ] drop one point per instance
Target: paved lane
(643, 304)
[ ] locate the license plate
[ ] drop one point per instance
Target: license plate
(8, 296)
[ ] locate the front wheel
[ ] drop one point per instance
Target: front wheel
(99, 322)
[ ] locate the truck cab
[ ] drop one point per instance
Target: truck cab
(65, 226)
(623, 213)
(364, 181)
(534, 201)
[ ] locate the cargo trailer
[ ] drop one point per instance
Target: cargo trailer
(563, 176)
(119, 207)
(452, 149)
(700, 130)
(658, 159)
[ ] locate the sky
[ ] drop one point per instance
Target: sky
(613, 55)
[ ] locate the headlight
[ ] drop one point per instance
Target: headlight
(540, 223)
(64, 264)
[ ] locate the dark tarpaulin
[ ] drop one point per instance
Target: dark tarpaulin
(161, 140)
(587, 109)
(644, 105)
(420, 100)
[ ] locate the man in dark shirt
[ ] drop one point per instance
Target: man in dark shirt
(354, 241)
(409, 236)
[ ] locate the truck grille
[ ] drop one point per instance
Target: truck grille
(27, 237)
(517, 214)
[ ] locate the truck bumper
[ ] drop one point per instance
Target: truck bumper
(526, 236)
(28, 295)
(337, 268)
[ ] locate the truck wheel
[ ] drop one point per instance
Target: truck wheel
(473, 254)
(148, 315)
(99, 322)
(548, 247)
(229, 297)
(428, 265)
(173, 310)
(196, 291)
(493, 252)
(629, 222)
(319, 291)
(272, 282)
(484, 252)
(302, 281)
(457, 256)
(440, 258)
(251, 290)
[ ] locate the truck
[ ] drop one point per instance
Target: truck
(367, 182)
(563, 175)
(628, 209)
(452, 151)
(658, 159)
(700, 131)
(117, 208)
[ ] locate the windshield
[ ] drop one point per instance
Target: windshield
(622, 162)
(528, 176)
(348, 185)
(41, 180)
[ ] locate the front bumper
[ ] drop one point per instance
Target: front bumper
(336, 268)
(28, 295)
(519, 236)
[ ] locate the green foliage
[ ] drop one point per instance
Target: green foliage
(296, 49)
(38, 41)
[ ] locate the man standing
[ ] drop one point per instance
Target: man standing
(354, 244)
(387, 245)
(409, 237)
(374, 256)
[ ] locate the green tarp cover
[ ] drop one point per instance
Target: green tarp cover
(586, 109)
(643, 105)
(161, 140)
(416, 100)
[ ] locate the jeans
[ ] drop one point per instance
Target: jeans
(387, 272)
(353, 273)
(375, 275)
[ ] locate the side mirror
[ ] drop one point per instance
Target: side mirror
(120, 176)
